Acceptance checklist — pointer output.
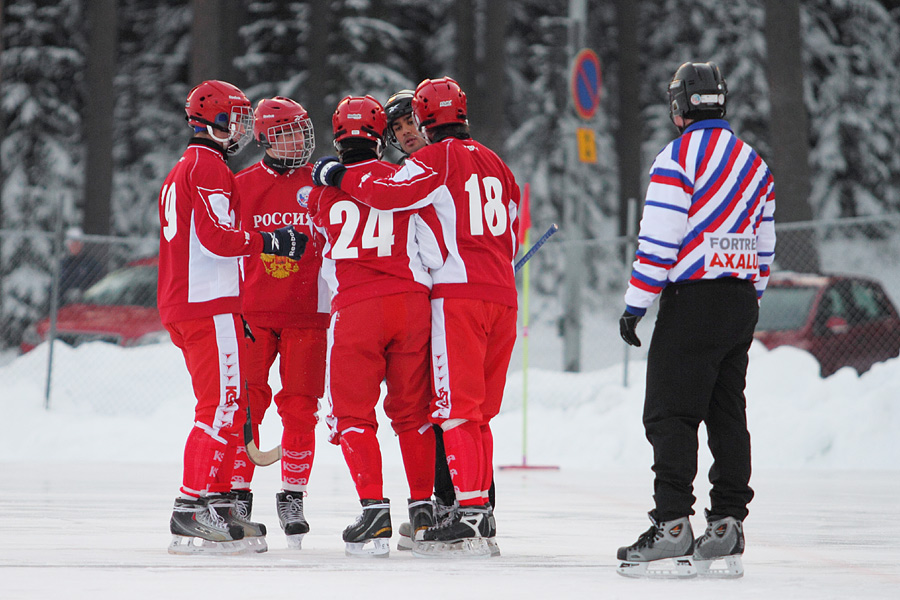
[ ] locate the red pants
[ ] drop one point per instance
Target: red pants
(211, 348)
(375, 340)
(471, 344)
(302, 373)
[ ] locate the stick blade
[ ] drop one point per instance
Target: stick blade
(263, 459)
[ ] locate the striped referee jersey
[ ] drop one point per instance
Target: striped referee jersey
(708, 214)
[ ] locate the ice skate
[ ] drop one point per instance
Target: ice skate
(662, 552)
(717, 553)
(492, 533)
(197, 528)
(370, 534)
(290, 515)
(235, 507)
(464, 535)
(421, 517)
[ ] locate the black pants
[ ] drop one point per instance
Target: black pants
(696, 371)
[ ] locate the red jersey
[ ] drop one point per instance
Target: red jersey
(370, 252)
(280, 292)
(200, 240)
(476, 198)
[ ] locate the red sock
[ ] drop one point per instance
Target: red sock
(487, 446)
(363, 456)
(224, 464)
(464, 457)
(243, 471)
(298, 449)
(202, 461)
(417, 448)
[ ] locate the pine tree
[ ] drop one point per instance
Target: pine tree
(42, 76)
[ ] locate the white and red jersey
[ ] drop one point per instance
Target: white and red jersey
(278, 291)
(477, 200)
(200, 240)
(368, 252)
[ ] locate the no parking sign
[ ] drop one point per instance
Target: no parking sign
(585, 83)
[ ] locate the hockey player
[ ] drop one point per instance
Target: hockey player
(199, 298)
(474, 298)
(286, 306)
(401, 132)
(377, 264)
(706, 242)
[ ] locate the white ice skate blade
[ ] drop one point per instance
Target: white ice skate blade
(256, 544)
(376, 548)
(732, 569)
(679, 567)
(295, 541)
(493, 547)
(182, 544)
(464, 548)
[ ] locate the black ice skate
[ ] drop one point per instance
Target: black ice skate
(492, 533)
(421, 517)
(370, 534)
(290, 515)
(462, 535)
(198, 529)
(235, 507)
(722, 541)
(663, 551)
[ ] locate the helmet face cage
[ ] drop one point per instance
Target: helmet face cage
(398, 106)
(438, 102)
(240, 124)
(360, 118)
(697, 91)
(282, 125)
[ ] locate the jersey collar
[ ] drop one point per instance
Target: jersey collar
(708, 124)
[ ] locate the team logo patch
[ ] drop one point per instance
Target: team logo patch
(279, 267)
(695, 99)
(303, 195)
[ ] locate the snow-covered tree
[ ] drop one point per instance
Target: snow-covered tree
(42, 74)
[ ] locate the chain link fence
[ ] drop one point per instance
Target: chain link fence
(97, 299)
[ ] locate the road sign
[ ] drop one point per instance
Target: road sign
(587, 145)
(585, 83)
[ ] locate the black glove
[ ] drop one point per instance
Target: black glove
(328, 171)
(286, 241)
(627, 324)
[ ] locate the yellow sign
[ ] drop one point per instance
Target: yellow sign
(587, 146)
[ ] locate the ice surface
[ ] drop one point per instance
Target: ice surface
(86, 492)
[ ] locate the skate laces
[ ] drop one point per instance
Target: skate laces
(292, 510)
(211, 517)
(649, 537)
(243, 509)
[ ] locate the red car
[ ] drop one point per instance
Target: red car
(841, 320)
(120, 308)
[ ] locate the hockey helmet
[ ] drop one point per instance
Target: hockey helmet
(438, 102)
(220, 107)
(284, 126)
(697, 91)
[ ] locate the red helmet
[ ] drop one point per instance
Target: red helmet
(357, 117)
(220, 106)
(282, 125)
(439, 102)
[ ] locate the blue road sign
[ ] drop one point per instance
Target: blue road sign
(586, 82)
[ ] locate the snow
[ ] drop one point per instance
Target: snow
(86, 489)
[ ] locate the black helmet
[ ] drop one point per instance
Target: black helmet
(398, 105)
(697, 91)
